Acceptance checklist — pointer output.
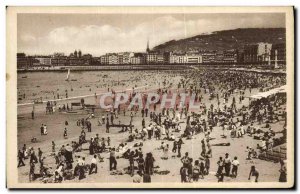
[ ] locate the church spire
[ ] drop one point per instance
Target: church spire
(148, 46)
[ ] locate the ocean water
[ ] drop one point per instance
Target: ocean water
(48, 86)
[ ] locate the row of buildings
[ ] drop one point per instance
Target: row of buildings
(263, 53)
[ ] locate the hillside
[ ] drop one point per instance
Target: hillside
(227, 39)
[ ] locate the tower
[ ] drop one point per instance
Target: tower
(276, 59)
(147, 50)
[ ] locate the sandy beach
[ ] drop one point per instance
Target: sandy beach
(29, 128)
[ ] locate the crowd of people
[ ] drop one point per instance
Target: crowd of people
(221, 96)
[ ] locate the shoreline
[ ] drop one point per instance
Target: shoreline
(150, 68)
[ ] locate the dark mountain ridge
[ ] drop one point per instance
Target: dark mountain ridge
(225, 40)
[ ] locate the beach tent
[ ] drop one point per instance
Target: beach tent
(268, 93)
(282, 89)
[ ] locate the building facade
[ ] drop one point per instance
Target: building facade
(104, 60)
(230, 56)
(278, 54)
(137, 58)
(194, 58)
(209, 56)
(177, 58)
(260, 52)
(151, 57)
(24, 62)
(42, 60)
(59, 60)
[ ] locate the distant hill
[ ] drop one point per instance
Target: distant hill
(224, 40)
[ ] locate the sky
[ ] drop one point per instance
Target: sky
(98, 34)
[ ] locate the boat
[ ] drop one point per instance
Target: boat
(24, 76)
(68, 75)
(37, 102)
(73, 80)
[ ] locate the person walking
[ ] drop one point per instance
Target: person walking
(20, 158)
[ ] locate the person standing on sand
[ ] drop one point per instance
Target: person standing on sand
(207, 164)
(143, 123)
(103, 119)
(93, 165)
(107, 119)
(196, 171)
(165, 152)
(185, 160)
(53, 146)
(42, 129)
(108, 141)
(33, 157)
(235, 164)
(179, 143)
(40, 154)
(32, 172)
(220, 167)
(146, 112)
(45, 130)
(112, 118)
(65, 133)
(174, 149)
(131, 116)
(112, 160)
(227, 164)
(141, 163)
(81, 165)
(143, 112)
(107, 127)
(149, 163)
(283, 172)
(131, 162)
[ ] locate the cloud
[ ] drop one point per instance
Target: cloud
(98, 40)
(27, 38)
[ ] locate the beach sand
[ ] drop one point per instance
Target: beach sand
(29, 128)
